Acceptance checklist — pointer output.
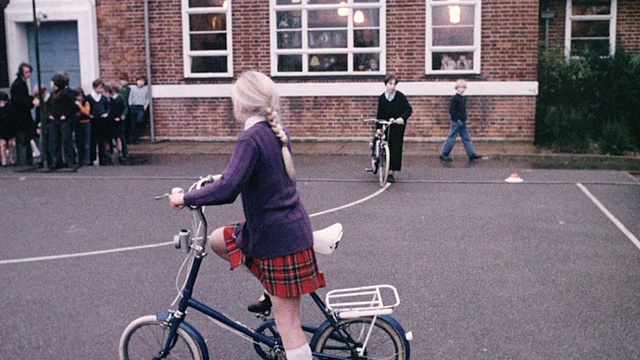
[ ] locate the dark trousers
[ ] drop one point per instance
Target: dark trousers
(83, 143)
(395, 138)
(137, 118)
(23, 149)
(60, 133)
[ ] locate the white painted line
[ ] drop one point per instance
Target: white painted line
(66, 256)
(613, 219)
(353, 203)
(101, 252)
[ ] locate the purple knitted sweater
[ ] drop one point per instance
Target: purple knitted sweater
(277, 223)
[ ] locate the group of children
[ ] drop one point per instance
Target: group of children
(80, 128)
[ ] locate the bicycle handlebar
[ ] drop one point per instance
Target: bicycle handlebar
(381, 121)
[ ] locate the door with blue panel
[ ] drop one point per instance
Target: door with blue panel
(58, 43)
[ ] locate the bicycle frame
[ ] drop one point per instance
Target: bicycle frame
(176, 318)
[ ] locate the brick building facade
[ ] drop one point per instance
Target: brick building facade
(409, 39)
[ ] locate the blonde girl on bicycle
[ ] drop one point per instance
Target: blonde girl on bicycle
(275, 241)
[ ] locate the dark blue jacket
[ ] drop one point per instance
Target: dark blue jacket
(458, 108)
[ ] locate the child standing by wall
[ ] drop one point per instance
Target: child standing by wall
(99, 115)
(60, 111)
(125, 90)
(138, 103)
(458, 113)
(8, 131)
(83, 128)
(117, 115)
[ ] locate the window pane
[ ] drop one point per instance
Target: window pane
(448, 15)
(289, 63)
(208, 22)
(289, 19)
(591, 7)
(206, 3)
(366, 38)
(590, 29)
(209, 64)
(369, 18)
(326, 62)
(590, 47)
(208, 42)
(366, 1)
(326, 18)
(289, 40)
(366, 62)
(328, 39)
(453, 36)
(452, 61)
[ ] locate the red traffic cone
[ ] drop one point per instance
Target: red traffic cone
(514, 178)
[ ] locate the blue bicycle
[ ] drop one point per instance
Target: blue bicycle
(358, 324)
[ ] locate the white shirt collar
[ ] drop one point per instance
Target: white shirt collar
(253, 120)
(96, 96)
(390, 96)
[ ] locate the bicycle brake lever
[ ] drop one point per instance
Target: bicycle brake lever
(175, 190)
(166, 195)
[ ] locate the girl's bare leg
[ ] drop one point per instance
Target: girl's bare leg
(3, 148)
(288, 321)
(286, 310)
(218, 244)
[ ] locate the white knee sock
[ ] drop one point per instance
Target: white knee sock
(301, 353)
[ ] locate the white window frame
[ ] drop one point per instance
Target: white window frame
(188, 54)
(475, 48)
(570, 18)
(350, 50)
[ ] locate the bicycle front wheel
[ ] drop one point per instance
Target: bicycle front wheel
(349, 335)
(145, 337)
(384, 159)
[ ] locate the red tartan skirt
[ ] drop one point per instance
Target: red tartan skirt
(287, 276)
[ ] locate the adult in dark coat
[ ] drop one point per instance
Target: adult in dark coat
(393, 105)
(22, 103)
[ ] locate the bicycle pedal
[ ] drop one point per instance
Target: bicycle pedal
(263, 315)
(368, 169)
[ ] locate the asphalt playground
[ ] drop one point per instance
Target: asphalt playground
(548, 268)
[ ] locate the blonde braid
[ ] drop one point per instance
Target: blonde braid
(276, 127)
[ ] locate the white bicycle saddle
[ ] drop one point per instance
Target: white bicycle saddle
(325, 241)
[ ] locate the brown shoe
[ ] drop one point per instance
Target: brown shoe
(261, 306)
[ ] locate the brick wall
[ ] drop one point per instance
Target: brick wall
(628, 26)
(121, 38)
(509, 53)
(329, 117)
(509, 40)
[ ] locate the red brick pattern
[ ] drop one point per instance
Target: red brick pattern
(511, 31)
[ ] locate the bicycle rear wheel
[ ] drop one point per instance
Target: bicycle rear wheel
(384, 159)
(145, 337)
(385, 342)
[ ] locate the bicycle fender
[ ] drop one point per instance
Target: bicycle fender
(393, 322)
(191, 331)
(398, 327)
(319, 331)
